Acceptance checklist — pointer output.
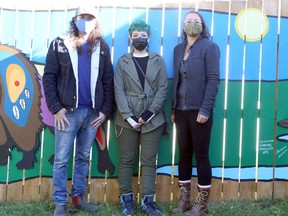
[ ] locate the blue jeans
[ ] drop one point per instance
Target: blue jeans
(81, 129)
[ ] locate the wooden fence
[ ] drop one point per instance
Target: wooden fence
(249, 138)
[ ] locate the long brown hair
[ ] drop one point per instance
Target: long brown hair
(94, 37)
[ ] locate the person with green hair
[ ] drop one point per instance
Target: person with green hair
(140, 84)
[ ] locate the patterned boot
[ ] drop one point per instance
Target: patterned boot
(201, 203)
(184, 199)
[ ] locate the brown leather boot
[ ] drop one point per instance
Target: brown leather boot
(201, 203)
(184, 199)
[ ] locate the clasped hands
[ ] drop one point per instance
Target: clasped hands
(137, 122)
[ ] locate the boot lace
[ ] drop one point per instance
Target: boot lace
(200, 200)
(182, 192)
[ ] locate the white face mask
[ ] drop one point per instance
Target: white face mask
(86, 26)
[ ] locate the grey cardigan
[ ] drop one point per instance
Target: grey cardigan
(132, 99)
(202, 76)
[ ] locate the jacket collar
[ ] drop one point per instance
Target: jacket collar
(128, 56)
(151, 72)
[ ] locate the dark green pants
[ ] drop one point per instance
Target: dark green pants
(130, 141)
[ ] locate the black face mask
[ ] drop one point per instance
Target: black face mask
(140, 43)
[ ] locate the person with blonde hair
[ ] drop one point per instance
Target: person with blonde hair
(78, 85)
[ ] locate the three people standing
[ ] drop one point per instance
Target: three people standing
(78, 84)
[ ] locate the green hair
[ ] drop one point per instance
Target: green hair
(139, 25)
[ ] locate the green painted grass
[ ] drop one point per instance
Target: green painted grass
(265, 207)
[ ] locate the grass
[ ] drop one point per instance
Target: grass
(265, 207)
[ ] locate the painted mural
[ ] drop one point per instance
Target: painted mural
(250, 133)
(20, 113)
(24, 112)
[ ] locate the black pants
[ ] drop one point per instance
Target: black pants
(193, 137)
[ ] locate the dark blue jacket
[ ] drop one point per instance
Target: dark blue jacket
(202, 76)
(60, 79)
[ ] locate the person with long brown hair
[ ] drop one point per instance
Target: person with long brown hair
(78, 85)
(196, 83)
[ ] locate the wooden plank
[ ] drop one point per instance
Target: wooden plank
(230, 190)
(3, 192)
(31, 187)
(280, 105)
(194, 190)
(204, 5)
(175, 190)
(3, 179)
(265, 190)
(250, 113)
(266, 97)
(221, 6)
(31, 190)
(8, 36)
(136, 187)
(247, 190)
(231, 101)
(97, 190)
(46, 188)
(163, 188)
(237, 6)
(270, 7)
(15, 191)
(216, 188)
(112, 191)
(69, 186)
(280, 191)
(284, 8)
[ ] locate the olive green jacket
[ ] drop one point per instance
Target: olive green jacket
(130, 97)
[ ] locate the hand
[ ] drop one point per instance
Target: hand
(141, 121)
(146, 117)
(201, 118)
(172, 118)
(60, 119)
(133, 123)
(98, 121)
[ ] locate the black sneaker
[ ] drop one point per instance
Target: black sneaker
(127, 204)
(60, 210)
(79, 203)
(149, 207)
